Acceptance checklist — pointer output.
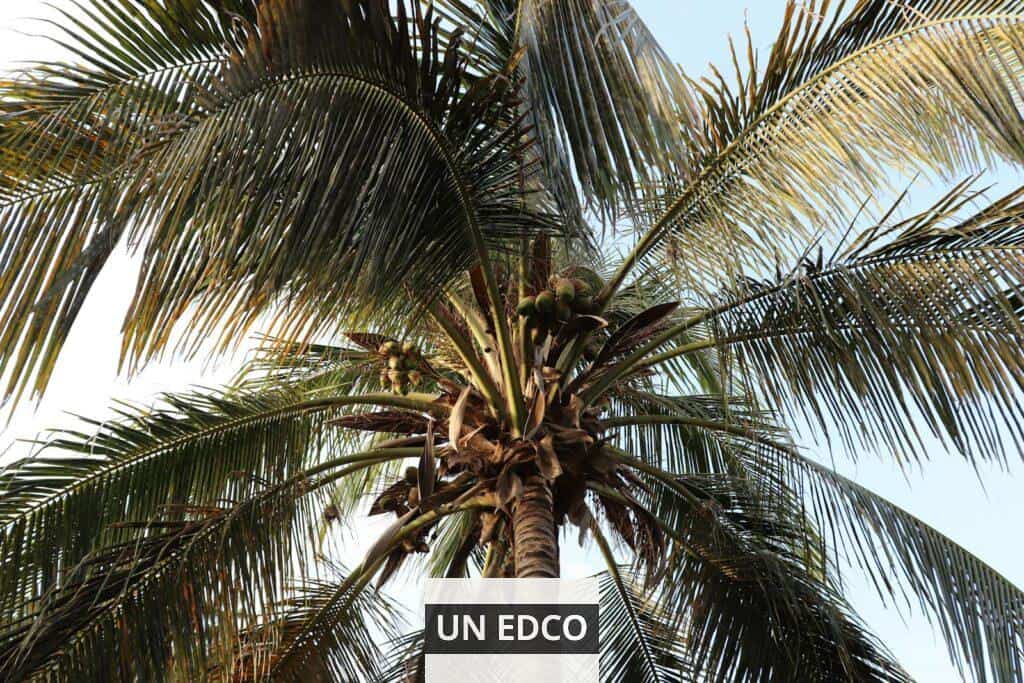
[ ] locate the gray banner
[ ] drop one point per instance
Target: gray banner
(511, 629)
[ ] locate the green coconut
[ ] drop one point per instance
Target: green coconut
(545, 302)
(527, 307)
(563, 312)
(583, 305)
(565, 291)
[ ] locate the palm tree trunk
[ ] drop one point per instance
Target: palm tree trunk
(533, 529)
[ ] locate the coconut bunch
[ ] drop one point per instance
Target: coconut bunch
(559, 303)
(467, 451)
(401, 366)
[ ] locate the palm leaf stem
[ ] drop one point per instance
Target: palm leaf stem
(464, 347)
(478, 328)
(370, 457)
(635, 420)
(525, 343)
(612, 494)
(514, 391)
(569, 358)
(667, 478)
(497, 551)
(682, 350)
(635, 359)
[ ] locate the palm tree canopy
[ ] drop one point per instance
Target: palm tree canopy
(408, 200)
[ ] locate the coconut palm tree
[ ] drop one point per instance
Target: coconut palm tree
(414, 204)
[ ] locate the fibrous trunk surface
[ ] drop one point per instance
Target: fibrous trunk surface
(533, 522)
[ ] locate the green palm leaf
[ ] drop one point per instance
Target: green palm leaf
(179, 589)
(310, 77)
(58, 505)
(979, 612)
(351, 649)
(604, 97)
(73, 141)
(837, 107)
(758, 605)
(922, 317)
(640, 639)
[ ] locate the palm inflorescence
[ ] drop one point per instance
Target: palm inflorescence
(414, 204)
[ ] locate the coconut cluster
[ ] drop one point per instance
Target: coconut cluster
(401, 368)
(564, 298)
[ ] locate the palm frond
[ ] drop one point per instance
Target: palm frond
(174, 592)
(64, 119)
(317, 624)
(604, 95)
(978, 611)
(640, 639)
(759, 607)
(455, 548)
(60, 504)
(235, 215)
(71, 141)
(932, 88)
(921, 318)
(351, 650)
(606, 101)
(680, 446)
(405, 661)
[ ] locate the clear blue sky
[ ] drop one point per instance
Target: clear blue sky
(945, 493)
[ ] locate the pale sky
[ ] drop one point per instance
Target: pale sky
(946, 493)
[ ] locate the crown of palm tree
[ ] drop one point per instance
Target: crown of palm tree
(401, 196)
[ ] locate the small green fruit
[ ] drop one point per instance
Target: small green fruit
(581, 287)
(527, 306)
(565, 291)
(563, 312)
(408, 349)
(545, 302)
(395, 362)
(392, 348)
(415, 376)
(583, 305)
